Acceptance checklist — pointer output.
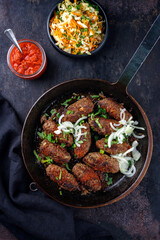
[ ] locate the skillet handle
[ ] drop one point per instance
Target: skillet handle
(141, 54)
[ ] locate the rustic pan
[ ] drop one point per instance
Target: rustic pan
(123, 185)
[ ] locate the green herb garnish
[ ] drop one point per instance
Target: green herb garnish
(78, 6)
(42, 134)
(79, 44)
(94, 96)
(74, 145)
(53, 111)
(109, 181)
(85, 135)
(68, 112)
(106, 177)
(80, 142)
(60, 174)
(37, 156)
(66, 102)
(60, 192)
(48, 160)
(67, 166)
(63, 145)
(69, 8)
(58, 115)
(98, 123)
(46, 114)
(101, 151)
(64, 135)
(84, 29)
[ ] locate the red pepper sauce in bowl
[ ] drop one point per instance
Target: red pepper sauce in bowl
(31, 63)
(27, 62)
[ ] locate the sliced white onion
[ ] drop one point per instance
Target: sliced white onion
(128, 130)
(138, 136)
(68, 124)
(135, 153)
(59, 121)
(128, 151)
(122, 113)
(111, 124)
(57, 131)
(79, 120)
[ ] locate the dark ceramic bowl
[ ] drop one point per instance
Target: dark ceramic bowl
(52, 40)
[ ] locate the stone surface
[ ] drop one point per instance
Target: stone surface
(138, 215)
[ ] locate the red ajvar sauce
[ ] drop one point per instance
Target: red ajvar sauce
(29, 62)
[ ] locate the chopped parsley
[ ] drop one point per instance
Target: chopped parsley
(48, 160)
(101, 151)
(106, 177)
(84, 29)
(60, 192)
(68, 112)
(94, 96)
(63, 145)
(69, 8)
(58, 115)
(37, 156)
(53, 111)
(98, 123)
(64, 135)
(67, 166)
(66, 102)
(74, 145)
(109, 181)
(60, 174)
(43, 135)
(78, 6)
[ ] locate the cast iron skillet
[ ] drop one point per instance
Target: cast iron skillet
(123, 185)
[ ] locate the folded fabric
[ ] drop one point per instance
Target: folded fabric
(32, 215)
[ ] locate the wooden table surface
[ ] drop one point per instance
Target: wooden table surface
(138, 215)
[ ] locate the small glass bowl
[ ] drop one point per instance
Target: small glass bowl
(40, 70)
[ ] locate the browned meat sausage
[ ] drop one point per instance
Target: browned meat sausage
(75, 111)
(115, 148)
(87, 177)
(61, 176)
(104, 182)
(43, 119)
(101, 162)
(81, 151)
(102, 125)
(55, 151)
(113, 108)
(50, 126)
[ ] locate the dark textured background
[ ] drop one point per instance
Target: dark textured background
(138, 215)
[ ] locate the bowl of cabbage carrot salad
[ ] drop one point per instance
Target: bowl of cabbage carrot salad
(78, 27)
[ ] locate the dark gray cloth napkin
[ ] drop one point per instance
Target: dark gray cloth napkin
(32, 215)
